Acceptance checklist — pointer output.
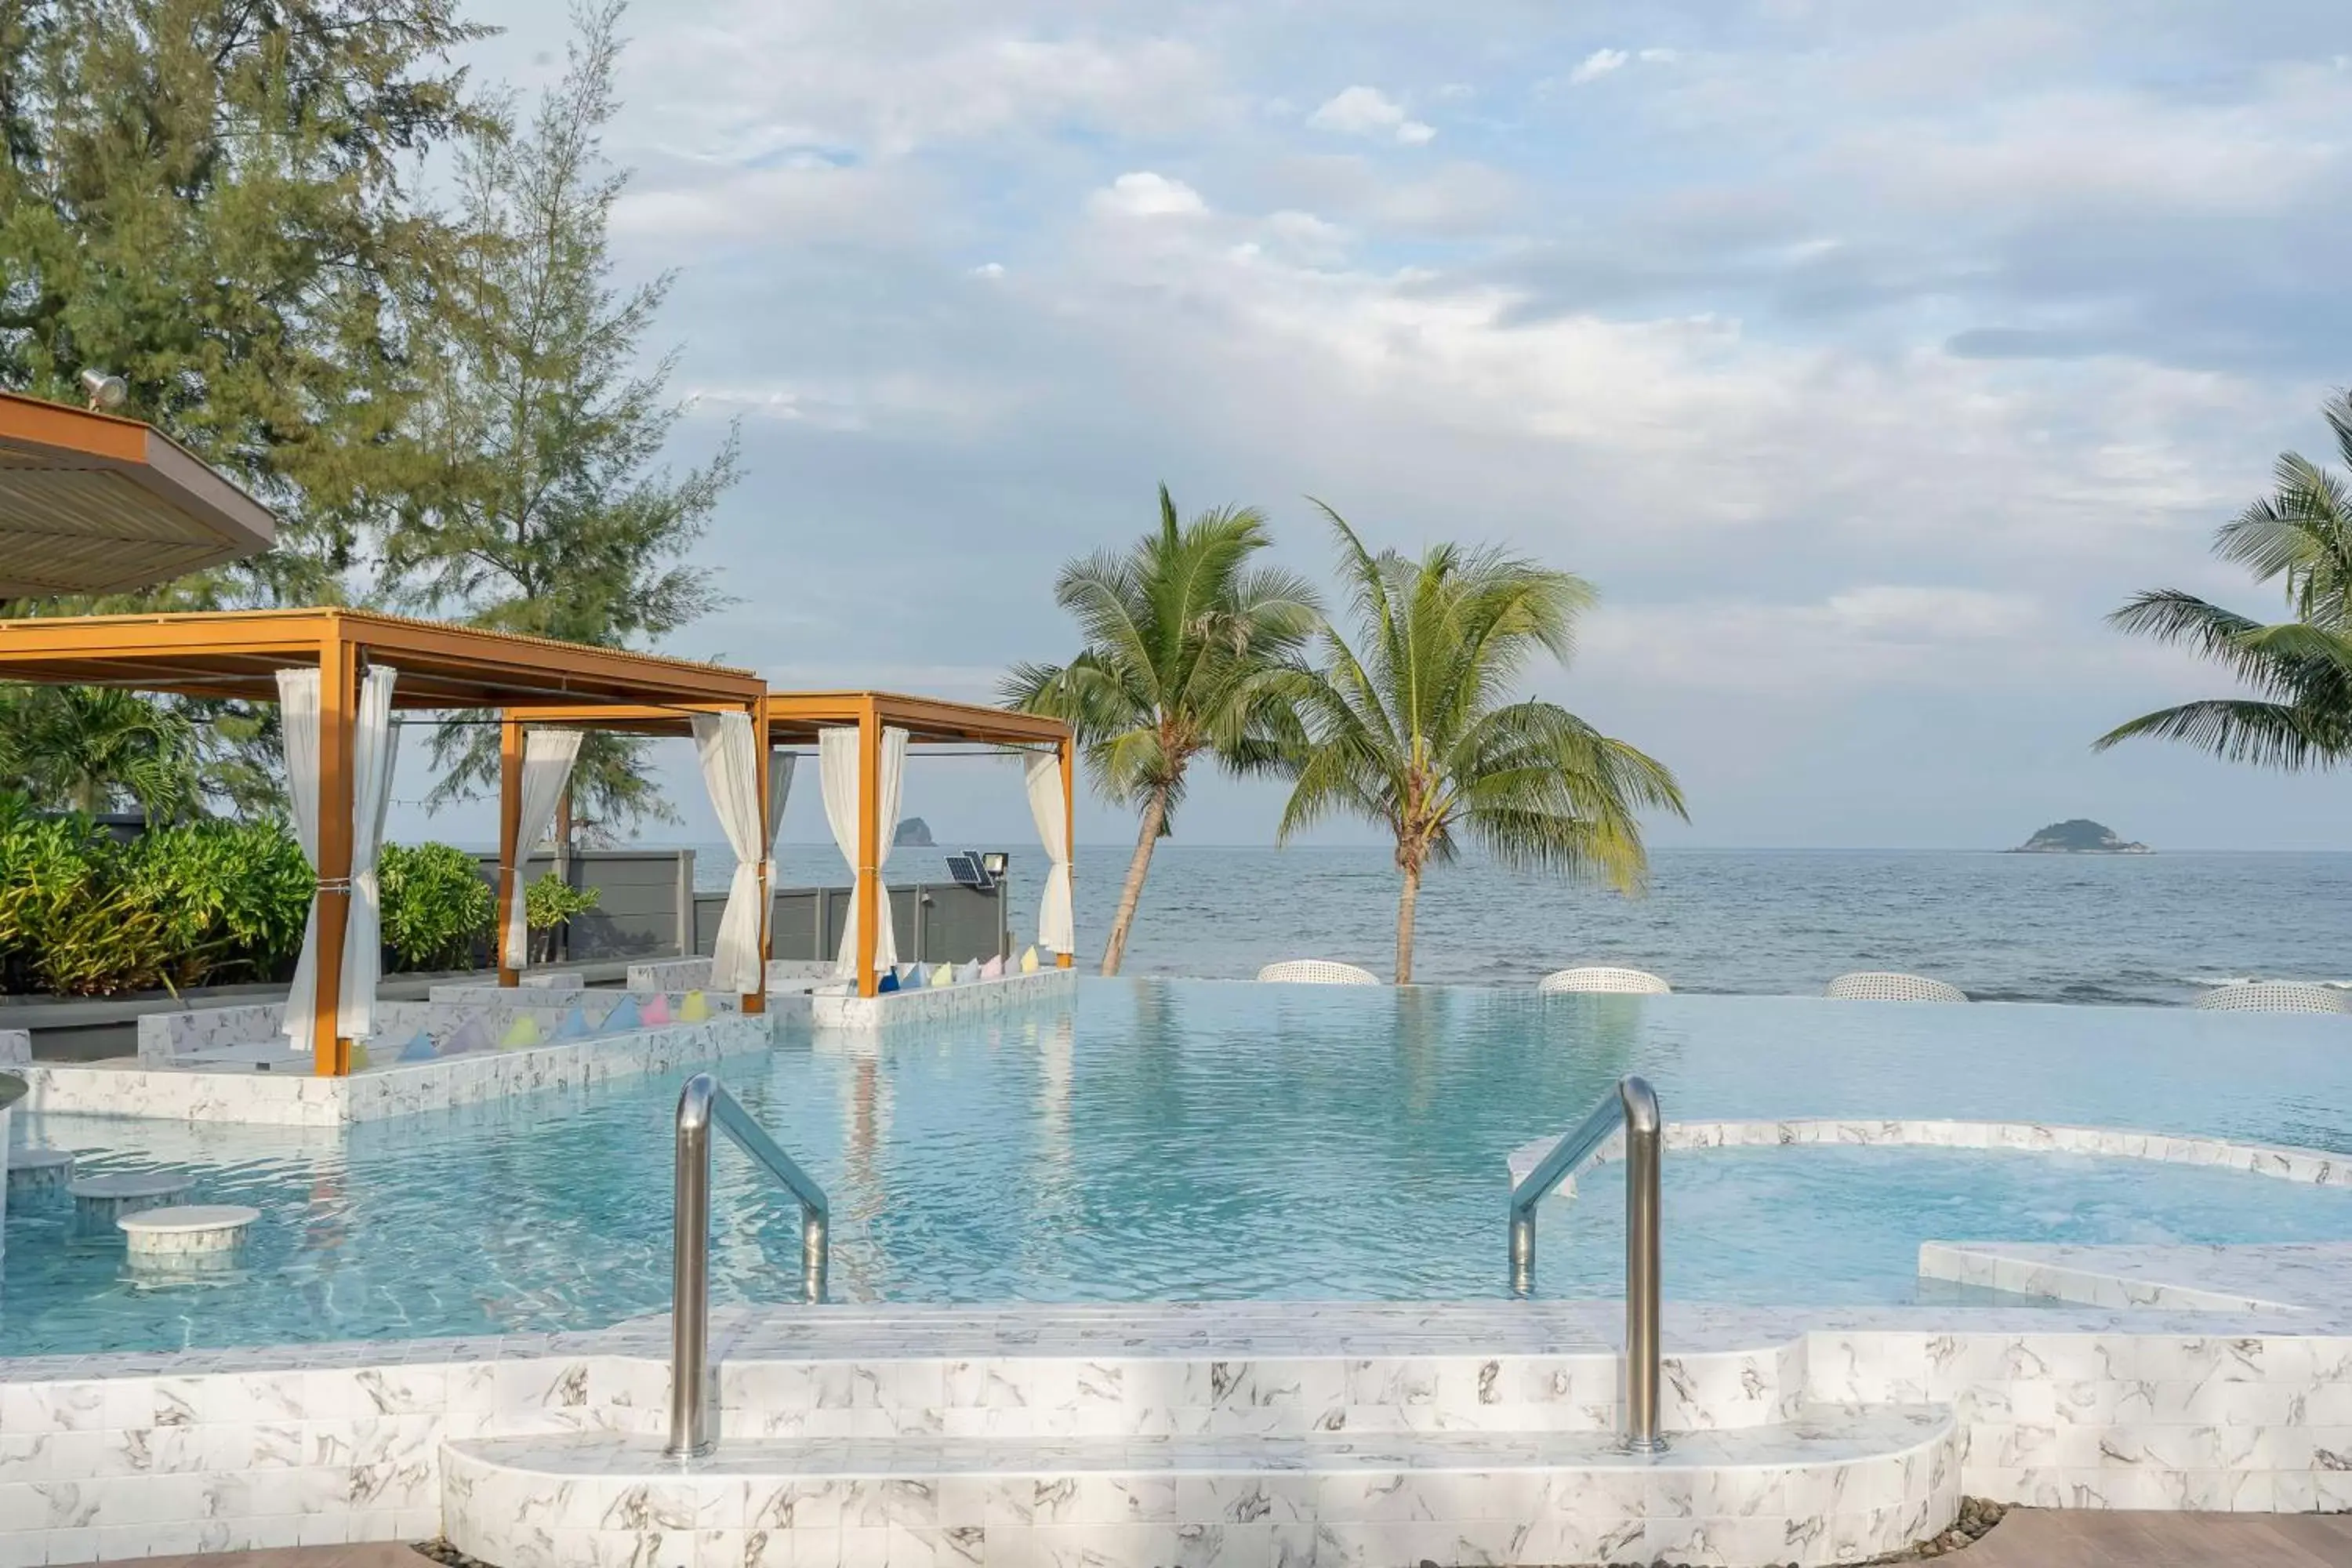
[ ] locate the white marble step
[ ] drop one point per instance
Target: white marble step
(1835, 1485)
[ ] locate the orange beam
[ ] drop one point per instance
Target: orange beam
(338, 700)
(870, 845)
(509, 852)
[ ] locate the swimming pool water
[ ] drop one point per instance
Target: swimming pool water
(1188, 1140)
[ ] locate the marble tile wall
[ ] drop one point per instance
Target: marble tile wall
(2312, 1165)
(16, 1047)
(385, 1089)
(936, 1003)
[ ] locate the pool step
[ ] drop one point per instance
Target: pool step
(1837, 1484)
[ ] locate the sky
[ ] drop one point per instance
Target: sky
(1863, 356)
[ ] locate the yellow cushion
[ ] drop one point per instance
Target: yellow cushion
(694, 1009)
(1029, 961)
(943, 975)
(523, 1031)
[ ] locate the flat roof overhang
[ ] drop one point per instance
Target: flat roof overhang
(93, 504)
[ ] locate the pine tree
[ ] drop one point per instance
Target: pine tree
(207, 199)
(547, 511)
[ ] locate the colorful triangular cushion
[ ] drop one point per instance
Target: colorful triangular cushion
(621, 1018)
(473, 1035)
(994, 969)
(889, 984)
(419, 1048)
(655, 1012)
(521, 1034)
(1029, 961)
(943, 975)
(574, 1025)
(694, 1009)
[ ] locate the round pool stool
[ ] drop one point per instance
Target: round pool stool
(38, 1175)
(100, 1201)
(197, 1235)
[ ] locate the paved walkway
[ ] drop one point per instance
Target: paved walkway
(2026, 1539)
(2032, 1538)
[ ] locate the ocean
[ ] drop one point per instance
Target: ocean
(2152, 928)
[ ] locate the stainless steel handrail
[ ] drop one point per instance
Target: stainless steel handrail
(701, 1104)
(1634, 1108)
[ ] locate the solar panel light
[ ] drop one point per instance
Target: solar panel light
(994, 862)
(104, 391)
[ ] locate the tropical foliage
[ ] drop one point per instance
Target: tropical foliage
(93, 749)
(201, 903)
(437, 907)
(2296, 712)
(1412, 726)
(1186, 645)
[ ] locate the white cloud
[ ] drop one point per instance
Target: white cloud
(1660, 56)
(1872, 635)
(1596, 65)
(1368, 111)
(1144, 193)
(988, 269)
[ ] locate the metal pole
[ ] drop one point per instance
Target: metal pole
(1641, 1147)
(689, 1404)
(1523, 1253)
(813, 1253)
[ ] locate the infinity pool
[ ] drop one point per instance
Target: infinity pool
(1198, 1140)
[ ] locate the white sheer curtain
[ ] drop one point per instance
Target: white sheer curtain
(547, 759)
(837, 756)
(298, 720)
(729, 753)
(375, 744)
(1057, 925)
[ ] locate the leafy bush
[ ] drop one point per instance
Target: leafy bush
(437, 909)
(201, 902)
(548, 903)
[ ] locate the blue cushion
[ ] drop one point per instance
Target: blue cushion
(889, 984)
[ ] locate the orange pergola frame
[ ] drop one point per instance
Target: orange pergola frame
(237, 654)
(794, 718)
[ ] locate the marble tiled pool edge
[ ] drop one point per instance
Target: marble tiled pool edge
(1275, 1434)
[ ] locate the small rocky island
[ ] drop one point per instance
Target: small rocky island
(2079, 837)
(913, 833)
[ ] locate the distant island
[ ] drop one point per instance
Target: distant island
(913, 833)
(2079, 837)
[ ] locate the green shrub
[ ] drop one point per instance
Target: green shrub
(547, 904)
(437, 909)
(235, 895)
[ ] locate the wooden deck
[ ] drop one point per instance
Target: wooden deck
(2028, 1538)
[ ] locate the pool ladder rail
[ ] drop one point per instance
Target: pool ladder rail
(702, 1104)
(1633, 1105)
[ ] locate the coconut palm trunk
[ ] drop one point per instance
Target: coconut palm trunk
(1406, 901)
(1138, 866)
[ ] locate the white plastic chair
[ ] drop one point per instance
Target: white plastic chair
(1603, 977)
(1885, 986)
(2274, 996)
(1317, 972)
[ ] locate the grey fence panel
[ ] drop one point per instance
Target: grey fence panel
(642, 897)
(933, 921)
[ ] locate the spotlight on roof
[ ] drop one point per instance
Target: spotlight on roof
(105, 392)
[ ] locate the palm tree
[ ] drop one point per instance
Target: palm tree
(2299, 711)
(1187, 645)
(1409, 727)
(88, 747)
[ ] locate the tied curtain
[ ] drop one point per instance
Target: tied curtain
(837, 756)
(730, 754)
(1049, 808)
(547, 759)
(374, 745)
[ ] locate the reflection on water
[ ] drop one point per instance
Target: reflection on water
(1165, 1140)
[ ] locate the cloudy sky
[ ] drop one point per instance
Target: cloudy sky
(1863, 355)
